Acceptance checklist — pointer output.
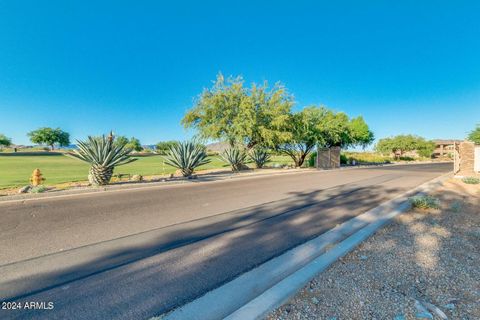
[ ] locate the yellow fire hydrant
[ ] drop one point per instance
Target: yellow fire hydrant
(37, 178)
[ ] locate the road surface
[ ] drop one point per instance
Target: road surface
(132, 254)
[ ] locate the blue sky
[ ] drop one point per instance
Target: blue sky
(136, 66)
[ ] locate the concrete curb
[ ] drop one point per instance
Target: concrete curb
(257, 292)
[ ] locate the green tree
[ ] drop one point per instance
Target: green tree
(120, 140)
(242, 116)
(400, 144)
(305, 132)
(50, 137)
(360, 133)
(323, 127)
(164, 146)
(134, 144)
(425, 148)
(474, 135)
(4, 141)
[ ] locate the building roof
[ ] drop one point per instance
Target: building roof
(447, 141)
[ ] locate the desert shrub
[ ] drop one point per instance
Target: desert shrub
(38, 189)
(212, 153)
(425, 202)
(456, 206)
(259, 156)
(363, 158)
(312, 159)
(186, 156)
(163, 147)
(235, 157)
(471, 180)
(406, 159)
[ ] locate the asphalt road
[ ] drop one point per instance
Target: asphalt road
(132, 254)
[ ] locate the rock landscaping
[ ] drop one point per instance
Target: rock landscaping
(425, 265)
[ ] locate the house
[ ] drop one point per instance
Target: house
(445, 148)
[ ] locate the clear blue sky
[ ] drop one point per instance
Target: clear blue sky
(135, 66)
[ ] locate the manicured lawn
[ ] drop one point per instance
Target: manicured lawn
(15, 170)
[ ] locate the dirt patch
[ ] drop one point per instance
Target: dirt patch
(422, 265)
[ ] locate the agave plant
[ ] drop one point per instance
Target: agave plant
(260, 156)
(103, 155)
(235, 157)
(186, 156)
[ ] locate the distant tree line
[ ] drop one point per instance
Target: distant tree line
(401, 144)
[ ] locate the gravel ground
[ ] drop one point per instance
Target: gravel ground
(424, 265)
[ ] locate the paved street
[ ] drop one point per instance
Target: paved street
(132, 254)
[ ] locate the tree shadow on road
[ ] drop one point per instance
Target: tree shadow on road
(170, 266)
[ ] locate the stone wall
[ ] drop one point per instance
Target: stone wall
(466, 152)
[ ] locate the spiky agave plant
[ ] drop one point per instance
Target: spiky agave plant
(186, 156)
(103, 155)
(236, 157)
(260, 156)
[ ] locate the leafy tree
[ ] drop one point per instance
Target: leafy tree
(320, 126)
(134, 144)
(4, 141)
(360, 134)
(50, 137)
(425, 148)
(242, 116)
(305, 133)
(400, 144)
(120, 140)
(474, 135)
(164, 146)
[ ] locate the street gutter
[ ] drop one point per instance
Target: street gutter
(256, 293)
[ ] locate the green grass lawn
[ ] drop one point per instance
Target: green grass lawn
(15, 170)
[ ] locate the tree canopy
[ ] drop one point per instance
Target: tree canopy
(5, 141)
(474, 135)
(164, 146)
(50, 137)
(244, 116)
(320, 126)
(120, 140)
(400, 144)
(134, 144)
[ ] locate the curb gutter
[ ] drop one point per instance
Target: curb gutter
(254, 294)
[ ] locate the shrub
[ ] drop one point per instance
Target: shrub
(235, 157)
(363, 158)
(164, 146)
(312, 159)
(471, 180)
(260, 156)
(103, 155)
(456, 206)
(38, 189)
(186, 156)
(425, 202)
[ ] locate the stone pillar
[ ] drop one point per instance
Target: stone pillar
(466, 164)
